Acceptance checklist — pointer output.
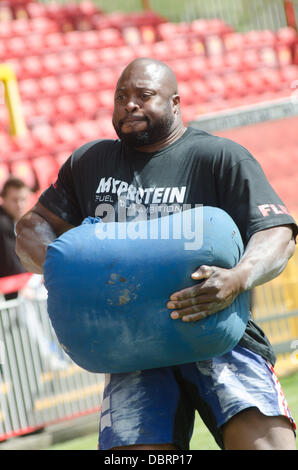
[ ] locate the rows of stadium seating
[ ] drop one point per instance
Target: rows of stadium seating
(274, 143)
(67, 60)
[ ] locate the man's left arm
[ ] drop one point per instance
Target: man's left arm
(265, 257)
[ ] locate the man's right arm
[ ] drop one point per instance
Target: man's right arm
(35, 231)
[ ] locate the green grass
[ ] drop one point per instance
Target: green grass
(201, 440)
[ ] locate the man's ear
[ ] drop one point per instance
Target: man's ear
(176, 103)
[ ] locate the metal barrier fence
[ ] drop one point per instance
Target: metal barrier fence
(39, 384)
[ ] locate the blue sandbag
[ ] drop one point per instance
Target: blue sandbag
(108, 285)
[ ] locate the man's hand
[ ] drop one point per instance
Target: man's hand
(265, 257)
(217, 290)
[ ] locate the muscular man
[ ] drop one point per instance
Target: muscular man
(158, 160)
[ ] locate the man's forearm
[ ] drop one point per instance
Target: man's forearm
(34, 234)
(265, 257)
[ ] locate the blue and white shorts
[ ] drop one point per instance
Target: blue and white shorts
(157, 406)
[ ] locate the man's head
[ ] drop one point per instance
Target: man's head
(14, 197)
(147, 104)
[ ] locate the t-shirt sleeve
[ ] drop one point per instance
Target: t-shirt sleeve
(249, 198)
(60, 198)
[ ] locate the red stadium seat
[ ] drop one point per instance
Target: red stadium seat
(87, 129)
(3, 113)
(29, 89)
(29, 110)
(16, 47)
(235, 86)
(62, 156)
(69, 83)
(4, 173)
(233, 61)
(34, 43)
(144, 50)
(201, 90)
(73, 39)
(125, 54)
(6, 146)
(254, 82)
(107, 78)
(168, 31)
(36, 10)
(218, 26)
(197, 67)
(214, 45)
(65, 108)
(181, 68)
(43, 25)
(284, 187)
(87, 104)
(105, 128)
(284, 54)
(65, 132)
(215, 64)
(90, 39)
(20, 27)
(50, 64)
(162, 50)
(110, 37)
(50, 86)
(44, 135)
(107, 56)
(218, 87)
(186, 93)
(31, 67)
(46, 107)
(269, 57)
(234, 42)
(89, 80)
(289, 75)
(251, 59)
(200, 26)
(271, 79)
(180, 48)
(54, 41)
(46, 168)
(87, 59)
(68, 62)
(3, 50)
(6, 31)
(286, 36)
(22, 169)
(106, 99)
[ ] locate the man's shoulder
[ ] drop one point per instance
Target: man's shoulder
(3, 213)
(5, 220)
(217, 146)
(95, 147)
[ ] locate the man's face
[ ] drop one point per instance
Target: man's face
(15, 201)
(143, 110)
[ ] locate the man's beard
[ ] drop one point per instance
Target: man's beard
(152, 134)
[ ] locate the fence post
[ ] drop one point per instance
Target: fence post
(13, 100)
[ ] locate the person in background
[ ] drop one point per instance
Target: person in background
(14, 196)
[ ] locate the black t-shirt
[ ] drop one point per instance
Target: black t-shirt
(198, 168)
(10, 263)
